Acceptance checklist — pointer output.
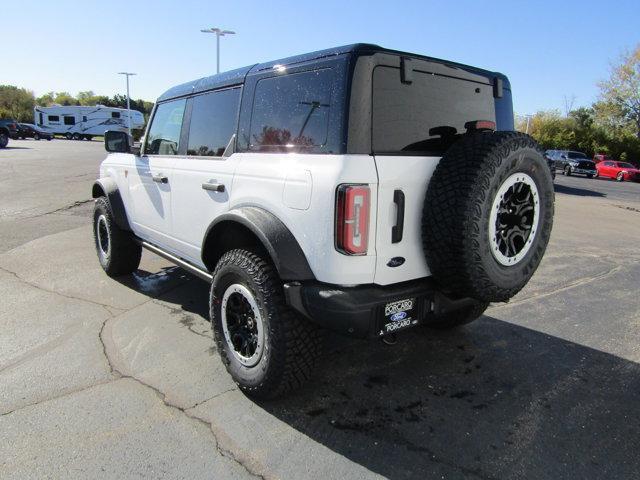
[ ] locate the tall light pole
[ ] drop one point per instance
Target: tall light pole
(219, 33)
(128, 74)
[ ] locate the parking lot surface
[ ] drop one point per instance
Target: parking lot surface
(120, 379)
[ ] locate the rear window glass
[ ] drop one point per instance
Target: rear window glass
(427, 115)
(164, 132)
(291, 112)
(213, 122)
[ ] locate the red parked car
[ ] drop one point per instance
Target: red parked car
(621, 171)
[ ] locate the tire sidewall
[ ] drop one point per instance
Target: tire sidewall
(102, 209)
(225, 276)
(521, 160)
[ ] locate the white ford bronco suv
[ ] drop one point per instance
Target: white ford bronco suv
(357, 189)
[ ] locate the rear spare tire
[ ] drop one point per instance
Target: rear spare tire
(488, 215)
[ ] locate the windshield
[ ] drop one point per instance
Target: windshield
(578, 155)
(625, 165)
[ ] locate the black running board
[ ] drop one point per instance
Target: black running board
(197, 271)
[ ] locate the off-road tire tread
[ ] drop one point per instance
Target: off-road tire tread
(125, 252)
(459, 317)
(296, 343)
(454, 200)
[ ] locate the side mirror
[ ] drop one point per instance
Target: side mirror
(563, 156)
(119, 142)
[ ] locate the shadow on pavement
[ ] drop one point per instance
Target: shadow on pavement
(581, 192)
(491, 400)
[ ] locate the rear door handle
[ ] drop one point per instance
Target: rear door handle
(213, 187)
(398, 228)
(159, 178)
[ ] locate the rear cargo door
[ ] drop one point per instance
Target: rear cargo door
(414, 121)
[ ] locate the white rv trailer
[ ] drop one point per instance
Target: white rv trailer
(80, 122)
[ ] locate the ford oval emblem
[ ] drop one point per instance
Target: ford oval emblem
(395, 262)
(396, 317)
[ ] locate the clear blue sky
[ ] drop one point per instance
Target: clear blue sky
(549, 49)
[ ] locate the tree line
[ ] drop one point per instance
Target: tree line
(611, 125)
(18, 103)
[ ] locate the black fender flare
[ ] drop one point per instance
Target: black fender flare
(284, 250)
(107, 187)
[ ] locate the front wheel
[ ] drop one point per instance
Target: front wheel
(619, 177)
(117, 251)
(567, 171)
(4, 140)
(589, 175)
(267, 348)
(36, 137)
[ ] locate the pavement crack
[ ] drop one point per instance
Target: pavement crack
(162, 396)
(55, 292)
(77, 203)
(56, 397)
(562, 288)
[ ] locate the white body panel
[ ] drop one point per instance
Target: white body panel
(298, 189)
(93, 120)
(411, 175)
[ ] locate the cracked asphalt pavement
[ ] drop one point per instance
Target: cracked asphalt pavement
(120, 379)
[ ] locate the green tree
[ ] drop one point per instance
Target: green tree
(87, 98)
(64, 98)
(46, 100)
(16, 103)
(620, 94)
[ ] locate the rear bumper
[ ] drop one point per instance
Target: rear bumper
(358, 311)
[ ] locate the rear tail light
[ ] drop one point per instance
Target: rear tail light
(352, 219)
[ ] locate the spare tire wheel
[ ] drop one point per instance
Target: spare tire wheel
(488, 215)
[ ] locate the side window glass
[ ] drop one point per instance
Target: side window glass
(115, 114)
(164, 132)
(213, 122)
(68, 120)
(53, 118)
(291, 112)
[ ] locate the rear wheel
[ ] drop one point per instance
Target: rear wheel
(266, 347)
(589, 175)
(567, 171)
(488, 215)
(68, 136)
(4, 140)
(36, 137)
(117, 251)
(88, 137)
(77, 136)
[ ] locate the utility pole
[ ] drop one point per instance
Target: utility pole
(128, 74)
(219, 33)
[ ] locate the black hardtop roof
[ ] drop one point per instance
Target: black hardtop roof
(236, 77)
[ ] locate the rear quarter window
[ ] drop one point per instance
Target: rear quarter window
(291, 112)
(427, 115)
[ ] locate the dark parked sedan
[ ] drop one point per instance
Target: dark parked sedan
(28, 130)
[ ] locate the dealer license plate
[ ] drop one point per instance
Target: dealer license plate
(399, 315)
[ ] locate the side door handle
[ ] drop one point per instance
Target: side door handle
(213, 187)
(398, 228)
(159, 178)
